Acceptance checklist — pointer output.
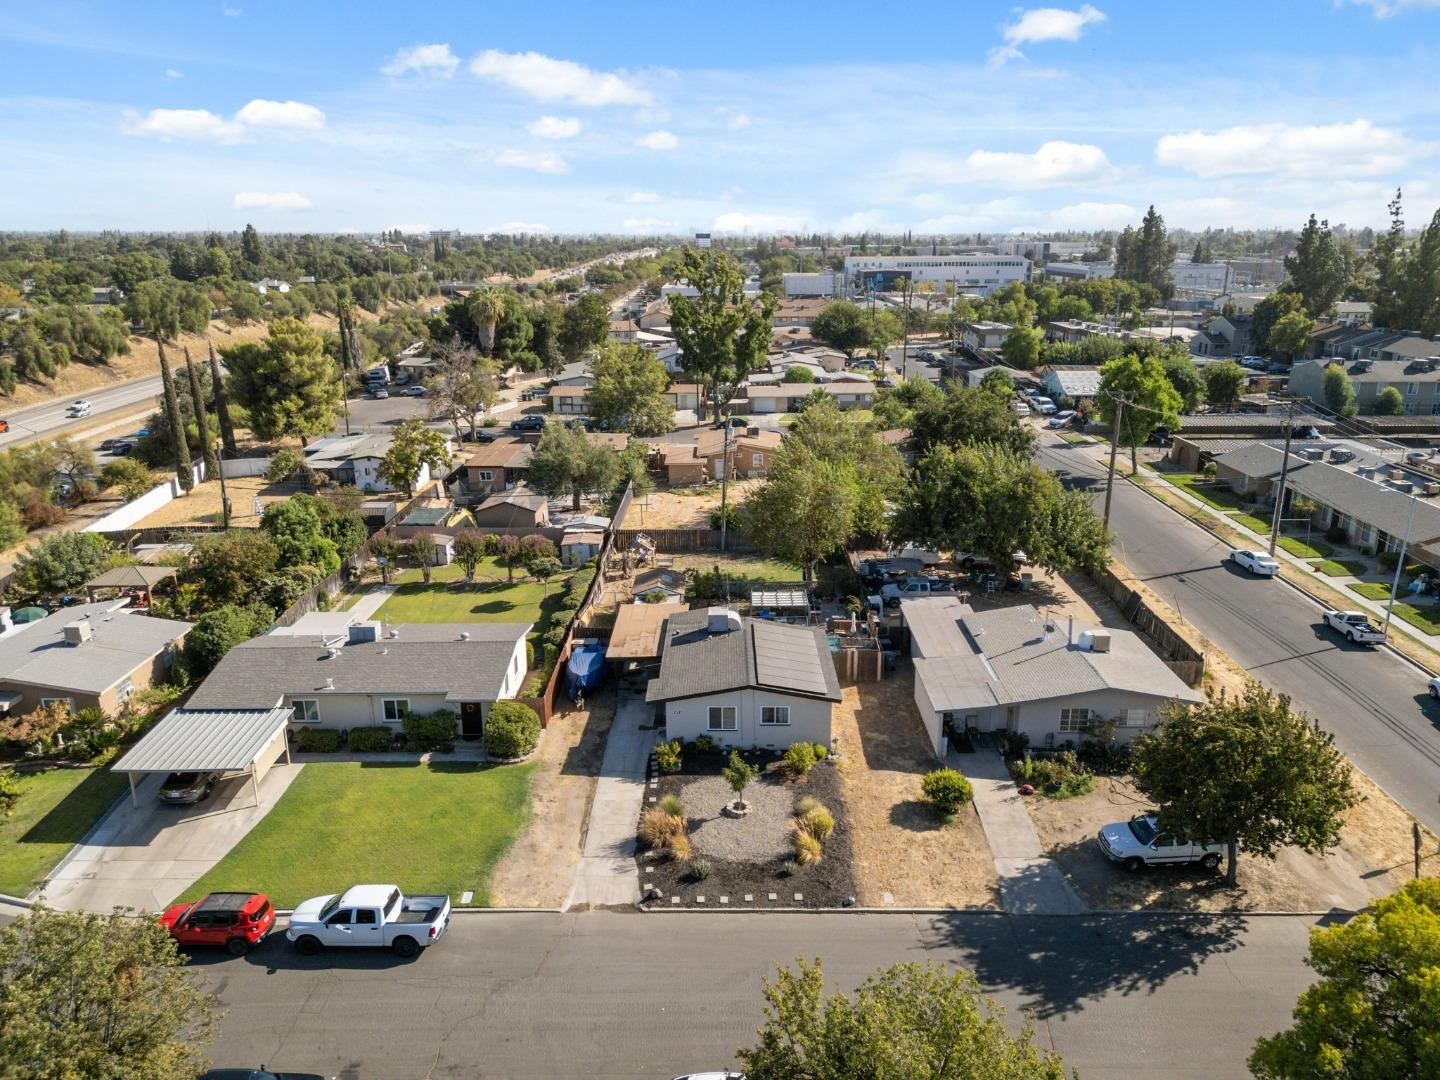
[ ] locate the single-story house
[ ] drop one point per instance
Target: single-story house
(87, 656)
(569, 400)
(1253, 469)
(355, 459)
(659, 580)
(623, 330)
(682, 465)
(1012, 670)
(1075, 381)
(579, 546)
(683, 395)
(744, 682)
(751, 453)
(513, 508)
(498, 465)
(656, 315)
(372, 674)
(438, 514)
(783, 397)
(797, 312)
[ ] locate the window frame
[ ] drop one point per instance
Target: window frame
(776, 711)
(68, 702)
(721, 710)
(404, 704)
(484, 476)
(1076, 720)
(302, 714)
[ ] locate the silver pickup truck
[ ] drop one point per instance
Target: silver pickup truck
(369, 916)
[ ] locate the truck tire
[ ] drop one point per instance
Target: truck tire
(308, 945)
(237, 946)
(405, 947)
(1210, 861)
(1133, 864)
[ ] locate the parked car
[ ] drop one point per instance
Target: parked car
(528, 423)
(188, 788)
(234, 921)
(1021, 409)
(1138, 843)
(106, 445)
(911, 588)
(4, 426)
(1253, 363)
(369, 916)
(1434, 685)
(733, 421)
(1354, 625)
(415, 391)
(1257, 562)
(861, 365)
(79, 408)
(122, 448)
(1041, 403)
(1063, 418)
(530, 393)
(379, 392)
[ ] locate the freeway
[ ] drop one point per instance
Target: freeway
(51, 420)
(611, 994)
(1373, 700)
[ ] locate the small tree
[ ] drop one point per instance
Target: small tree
(62, 563)
(131, 478)
(415, 447)
(543, 569)
(1224, 383)
(739, 774)
(217, 632)
(1339, 394)
(470, 548)
(98, 996)
(420, 551)
(1247, 771)
(507, 548)
(387, 551)
(1373, 1013)
(1389, 402)
(908, 1020)
(282, 466)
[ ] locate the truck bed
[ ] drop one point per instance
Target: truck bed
(420, 909)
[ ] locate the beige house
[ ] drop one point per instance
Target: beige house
(751, 453)
(683, 395)
(498, 465)
(569, 400)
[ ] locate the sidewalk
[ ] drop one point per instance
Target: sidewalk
(1031, 883)
(607, 875)
(371, 601)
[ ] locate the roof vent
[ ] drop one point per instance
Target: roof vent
(78, 632)
(332, 652)
(362, 632)
(464, 635)
(394, 633)
(329, 684)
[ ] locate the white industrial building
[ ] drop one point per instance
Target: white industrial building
(1078, 271)
(976, 274)
(827, 283)
(1203, 278)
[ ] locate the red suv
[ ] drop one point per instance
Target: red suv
(236, 921)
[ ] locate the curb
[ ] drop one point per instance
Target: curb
(1105, 912)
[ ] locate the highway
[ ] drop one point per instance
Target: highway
(1373, 700)
(50, 419)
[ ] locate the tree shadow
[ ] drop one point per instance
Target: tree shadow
(494, 607)
(72, 817)
(584, 758)
(916, 816)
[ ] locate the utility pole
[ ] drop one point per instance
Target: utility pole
(1120, 404)
(724, 482)
(1284, 474)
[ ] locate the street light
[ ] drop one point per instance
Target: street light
(1399, 566)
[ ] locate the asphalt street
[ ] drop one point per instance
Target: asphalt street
(1372, 700)
(51, 419)
(608, 994)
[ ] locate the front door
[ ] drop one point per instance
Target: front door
(472, 719)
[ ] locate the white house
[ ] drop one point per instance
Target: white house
(744, 682)
(355, 459)
(983, 335)
(1012, 670)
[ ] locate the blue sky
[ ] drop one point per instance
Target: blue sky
(950, 117)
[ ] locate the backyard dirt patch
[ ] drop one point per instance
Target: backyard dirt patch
(1373, 859)
(202, 506)
(539, 868)
(750, 856)
(682, 507)
(901, 847)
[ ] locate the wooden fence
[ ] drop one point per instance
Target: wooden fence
(1181, 655)
(684, 541)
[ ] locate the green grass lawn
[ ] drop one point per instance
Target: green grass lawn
(447, 600)
(1371, 590)
(1250, 521)
(1207, 491)
(1426, 619)
(1315, 549)
(1076, 439)
(54, 812)
(1340, 567)
(437, 828)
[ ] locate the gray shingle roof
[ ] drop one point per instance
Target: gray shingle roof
(1258, 460)
(426, 658)
(761, 654)
(200, 740)
(1366, 501)
(121, 641)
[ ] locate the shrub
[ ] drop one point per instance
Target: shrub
(282, 466)
(658, 827)
(1336, 535)
(1209, 469)
(807, 848)
(317, 740)
(1059, 776)
(512, 730)
(701, 869)
(370, 740)
(821, 751)
(704, 742)
(739, 774)
(667, 756)
(679, 847)
(947, 790)
(1388, 559)
(817, 821)
(433, 731)
(1014, 744)
(529, 655)
(800, 758)
(805, 804)
(789, 868)
(1106, 758)
(9, 791)
(671, 804)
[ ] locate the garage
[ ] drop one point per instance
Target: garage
(231, 742)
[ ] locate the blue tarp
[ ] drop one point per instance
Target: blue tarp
(585, 669)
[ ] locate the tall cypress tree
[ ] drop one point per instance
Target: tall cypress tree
(222, 403)
(177, 423)
(202, 421)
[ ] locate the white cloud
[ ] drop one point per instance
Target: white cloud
(555, 127)
(738, 122)
(647, 224)
(546, 79)
(292, 115)
(642, 197)
(172, 74)
(1093, 215)
(738, 221)
(541, 161)
(1043, 24)
(1358, 148)
(1384, 9)
(658, 140)
(424, 60)
(271, 200)
(1056, 163)
(185, 124)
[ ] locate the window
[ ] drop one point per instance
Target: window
(365, 916)
(46, 702)
(125, 690)
(722, 718)
(775, 716)
(394, 709)
(307, 710)
(484, 476)
(340, 918)
(757, 461)
(1411, 389)
(1074, 720)
(1135, 717)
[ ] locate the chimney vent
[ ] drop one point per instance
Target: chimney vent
(332, 652)
(394, 633)
(329, 684)
(720, 620)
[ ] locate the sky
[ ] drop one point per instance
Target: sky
(942, 118)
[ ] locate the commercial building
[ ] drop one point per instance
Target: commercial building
(977, 274)
(826, 284)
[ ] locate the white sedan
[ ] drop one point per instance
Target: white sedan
(1435, 689)
(1062, 419)
(78, 408)
(1257, 562)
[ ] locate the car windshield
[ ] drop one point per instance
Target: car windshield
(1143, 830)
(330, 905)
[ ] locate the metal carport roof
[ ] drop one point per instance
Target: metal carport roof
(204, 740)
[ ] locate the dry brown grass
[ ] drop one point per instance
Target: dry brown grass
(539, 868)
(682, 507)
(900, 846)
(202, 505)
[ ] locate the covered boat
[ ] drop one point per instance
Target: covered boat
(585, 669)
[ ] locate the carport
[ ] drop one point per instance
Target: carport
(227, 741)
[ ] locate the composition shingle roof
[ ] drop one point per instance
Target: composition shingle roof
(761, 654)
(506, 452)
(120, 641)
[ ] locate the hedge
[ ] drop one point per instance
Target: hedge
(433, 731)
(512, 730)
(370, 740)
(317, 740)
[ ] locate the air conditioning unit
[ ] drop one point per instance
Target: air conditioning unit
(78, 632)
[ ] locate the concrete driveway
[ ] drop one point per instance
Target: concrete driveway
(144, 856)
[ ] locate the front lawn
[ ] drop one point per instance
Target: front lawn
(55, 810)
(1208, 491)
(1371, 590)
(1340, 567)
(1425, 619)
(1314, 549)
(1250, 521)
(447, 599)
(436, 828)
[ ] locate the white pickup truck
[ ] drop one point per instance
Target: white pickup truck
(1137, 843)
(373, 916)
(1355, 625)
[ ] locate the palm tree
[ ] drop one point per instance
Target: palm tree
(486, 309)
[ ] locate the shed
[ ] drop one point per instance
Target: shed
(211, 740)
(580, 546)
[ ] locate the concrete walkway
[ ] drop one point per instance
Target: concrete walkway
(371, 600)
(607, 875)
(1031, 883)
